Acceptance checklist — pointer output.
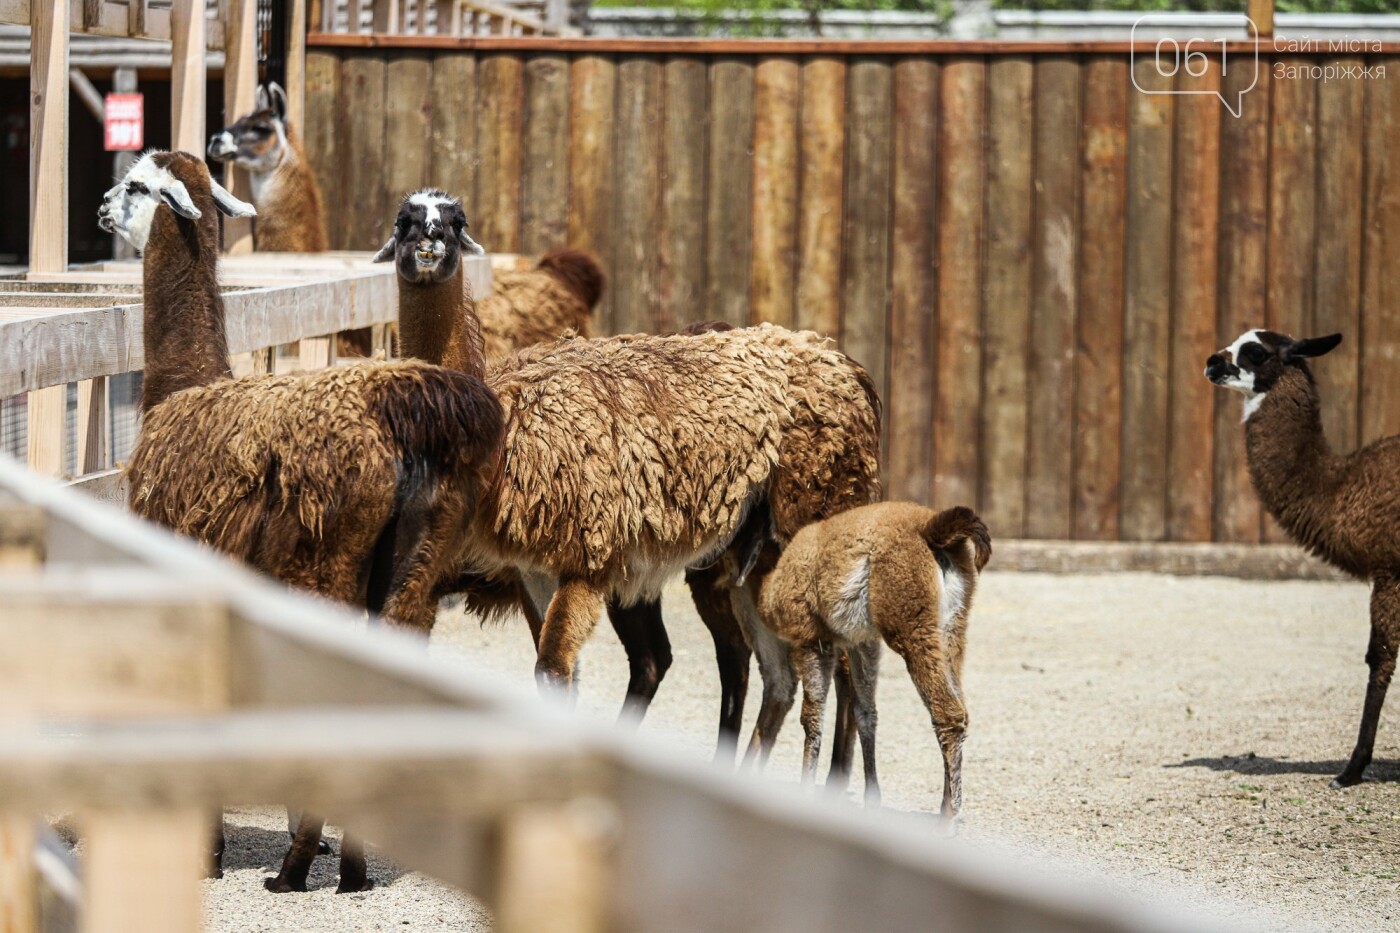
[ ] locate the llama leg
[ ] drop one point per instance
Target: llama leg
(572, 614)
(216, 869)
(1380, 658)
(732, 653)
(814, 664)
(354, 873)
(865, 673)
(297, 863)
(536, 591)
(643, 635)
(843, 743)
(938, 687)
(779, 690)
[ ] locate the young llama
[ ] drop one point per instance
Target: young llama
(1344, 509)
(257, 467)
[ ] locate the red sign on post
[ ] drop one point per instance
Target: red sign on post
(124, 122)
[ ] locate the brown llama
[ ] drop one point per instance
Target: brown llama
(257, 467)
(541, 304)
(1343, 509)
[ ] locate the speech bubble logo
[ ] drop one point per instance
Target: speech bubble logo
(1187, 61)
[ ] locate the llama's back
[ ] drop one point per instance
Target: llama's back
(298, 474)
(540, 304)
(625, 457)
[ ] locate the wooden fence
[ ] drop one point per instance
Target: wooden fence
(1032, 257)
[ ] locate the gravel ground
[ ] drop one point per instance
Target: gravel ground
(1175, 734)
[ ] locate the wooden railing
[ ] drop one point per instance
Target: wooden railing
(443, 18)
(146, 683)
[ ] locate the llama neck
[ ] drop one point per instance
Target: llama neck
(289, 204)
(1290, 461)
(438, 324)
(185, 341)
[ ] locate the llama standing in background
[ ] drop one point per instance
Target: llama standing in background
(895, 572)
(1343, 509)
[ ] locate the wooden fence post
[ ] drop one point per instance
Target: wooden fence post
(240, 91)
(170, 846)
(1261, 13)
(92, 426)
(46, 438)
(48, 136)
(296, 64)
(187, 76)
(553, 871)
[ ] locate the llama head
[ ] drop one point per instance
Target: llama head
(257, 141)
(178, 180)
(1256, 360)
(430, 235)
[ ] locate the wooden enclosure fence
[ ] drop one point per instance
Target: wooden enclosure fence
(147, 683)
(1032, 257)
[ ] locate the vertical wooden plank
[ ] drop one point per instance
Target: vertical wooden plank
(1380, 295)
(777, 93)
(570, 845)
(187, 76)
(1196, 200)
(324, 148)
(240, 94)
(47, 441)
(172, 845)
(453, 164)
(360, 116)
(637, 212)
(681, 260)
(500, 86)
(92, 426)
(408, 107)
(865, 295)
(544, 208)
(727, 230)
(1146, 359)
(592, 89)
(316, 352)
(1292, 215)
(1337, 301)
(19, 908)
(958, 255)
(909, 401)
(1098, 375)
(1244, 213)
(48, 136)
(823, 142)
(1055, 298)
(1006, 292)
(297, 18)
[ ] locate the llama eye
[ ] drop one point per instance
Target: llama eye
(135, 187)
(1253, 353)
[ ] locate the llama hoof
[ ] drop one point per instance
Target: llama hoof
(351, 887)
(216, 873)
(278, 886)
(324, 848)
(1346, 779)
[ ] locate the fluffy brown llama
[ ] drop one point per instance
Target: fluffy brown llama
(628, 459)
(1342, 509)
(892, 572)
(540, 304)
(256, 467)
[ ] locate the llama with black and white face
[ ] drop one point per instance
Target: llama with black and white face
(129, 207)
(1342, 508)
(429, 238)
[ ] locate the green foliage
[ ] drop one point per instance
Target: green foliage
(1204, 6)
(714, 8)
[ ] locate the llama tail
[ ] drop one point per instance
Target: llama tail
(951, 527)
(578, 270)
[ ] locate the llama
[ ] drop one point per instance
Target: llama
(540, 304)
(895, 572)
(257, 467)
(628, 459)
(1342, 509)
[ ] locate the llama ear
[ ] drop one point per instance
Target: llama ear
(261, 100)
(470, 245)
(228, 204)
(178, 197)
(1313, 346)
(386, 252)
(279, 101)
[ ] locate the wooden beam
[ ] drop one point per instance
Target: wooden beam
(1261, 14)
(187, 76)
(92, 425)
(172, 845)
(14, 12)
(554, 868)
(297, 15)
(47, 441)
(240, 94)
(19, 907)
(48, 136)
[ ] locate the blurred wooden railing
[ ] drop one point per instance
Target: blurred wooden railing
(455, 18)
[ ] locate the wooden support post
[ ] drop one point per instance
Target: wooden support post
(19, 906)
(46, 410)
(48, 136)
(554, 866)
(297, 17)
(386, 16)
(187, 76)
(264, 361)
(92, 425)
(240, 94)
(172, 846)
(123, 82)
(1261, 13)
(317, 352)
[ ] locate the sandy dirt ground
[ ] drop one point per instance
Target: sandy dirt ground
(1177, 735)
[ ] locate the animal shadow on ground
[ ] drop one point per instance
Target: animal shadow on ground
(1380, 770)
(255, 847)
